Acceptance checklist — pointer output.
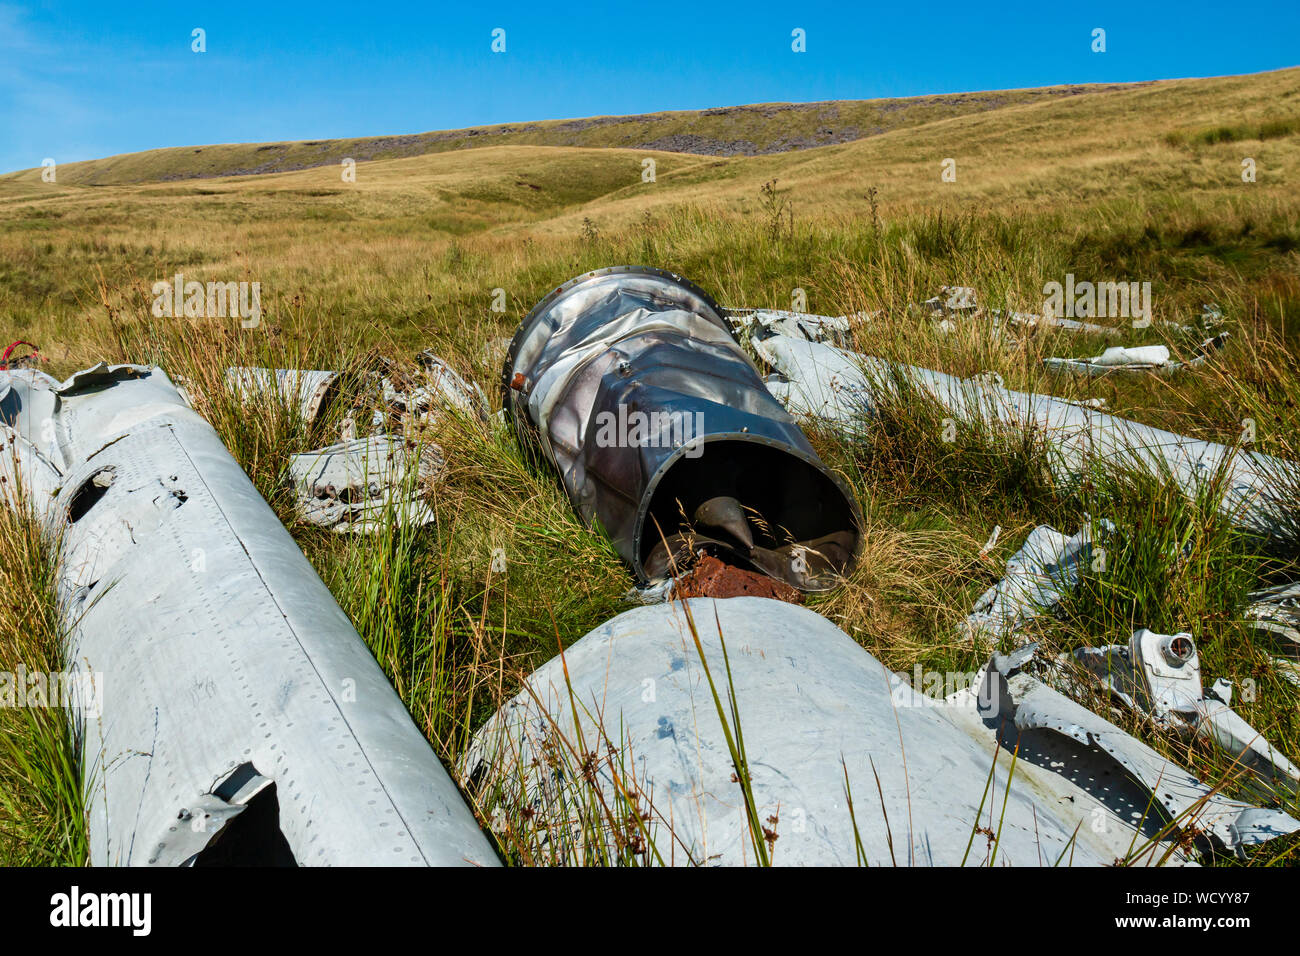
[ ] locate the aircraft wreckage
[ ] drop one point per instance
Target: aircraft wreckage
(819, 380)
(242, 718)
(638, 394)
(846, 761)
(258, 727)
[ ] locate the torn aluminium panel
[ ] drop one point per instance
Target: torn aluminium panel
(633, 388)
(822, 720)
(237, 716)
(1160, 675)
(366, 483)
(1036, 578)
(361, 483)
(308, 389)
(841, 387)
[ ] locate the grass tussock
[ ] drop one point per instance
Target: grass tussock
(42, 821)
(1235, 133)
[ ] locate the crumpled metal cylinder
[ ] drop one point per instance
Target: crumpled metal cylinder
(630, 383)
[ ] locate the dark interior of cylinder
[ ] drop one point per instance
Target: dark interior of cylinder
(786, 501)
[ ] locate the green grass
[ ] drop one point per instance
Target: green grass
(1235, 133)
(42, 818)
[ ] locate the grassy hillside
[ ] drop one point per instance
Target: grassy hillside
(727, 131)
(1132, 183)
(415, 241)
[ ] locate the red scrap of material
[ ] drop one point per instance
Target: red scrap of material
(4, 358)
(713, 578)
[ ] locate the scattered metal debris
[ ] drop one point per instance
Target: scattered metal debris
(435, 390)
(1155, 674)
(1160, 675)
(825, 724)
(1211, 317)
(815, 328)
(1031, 320)
(956, 302)
(1037, 577)
(229, 711)
(1275, 613)
(630, 384)
(991, 542)
(953, 298)
(390, 395)
(310, 390)
(1195, 807)
(365, 483)
(840, 387)
(1145, 358)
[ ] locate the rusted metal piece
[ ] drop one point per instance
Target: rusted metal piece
(630, 384)
(711, 578)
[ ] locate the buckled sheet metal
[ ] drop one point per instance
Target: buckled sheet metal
(630, 383)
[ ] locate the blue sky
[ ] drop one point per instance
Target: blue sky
(79, 80)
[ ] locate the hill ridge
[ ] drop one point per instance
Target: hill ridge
(739, 130)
